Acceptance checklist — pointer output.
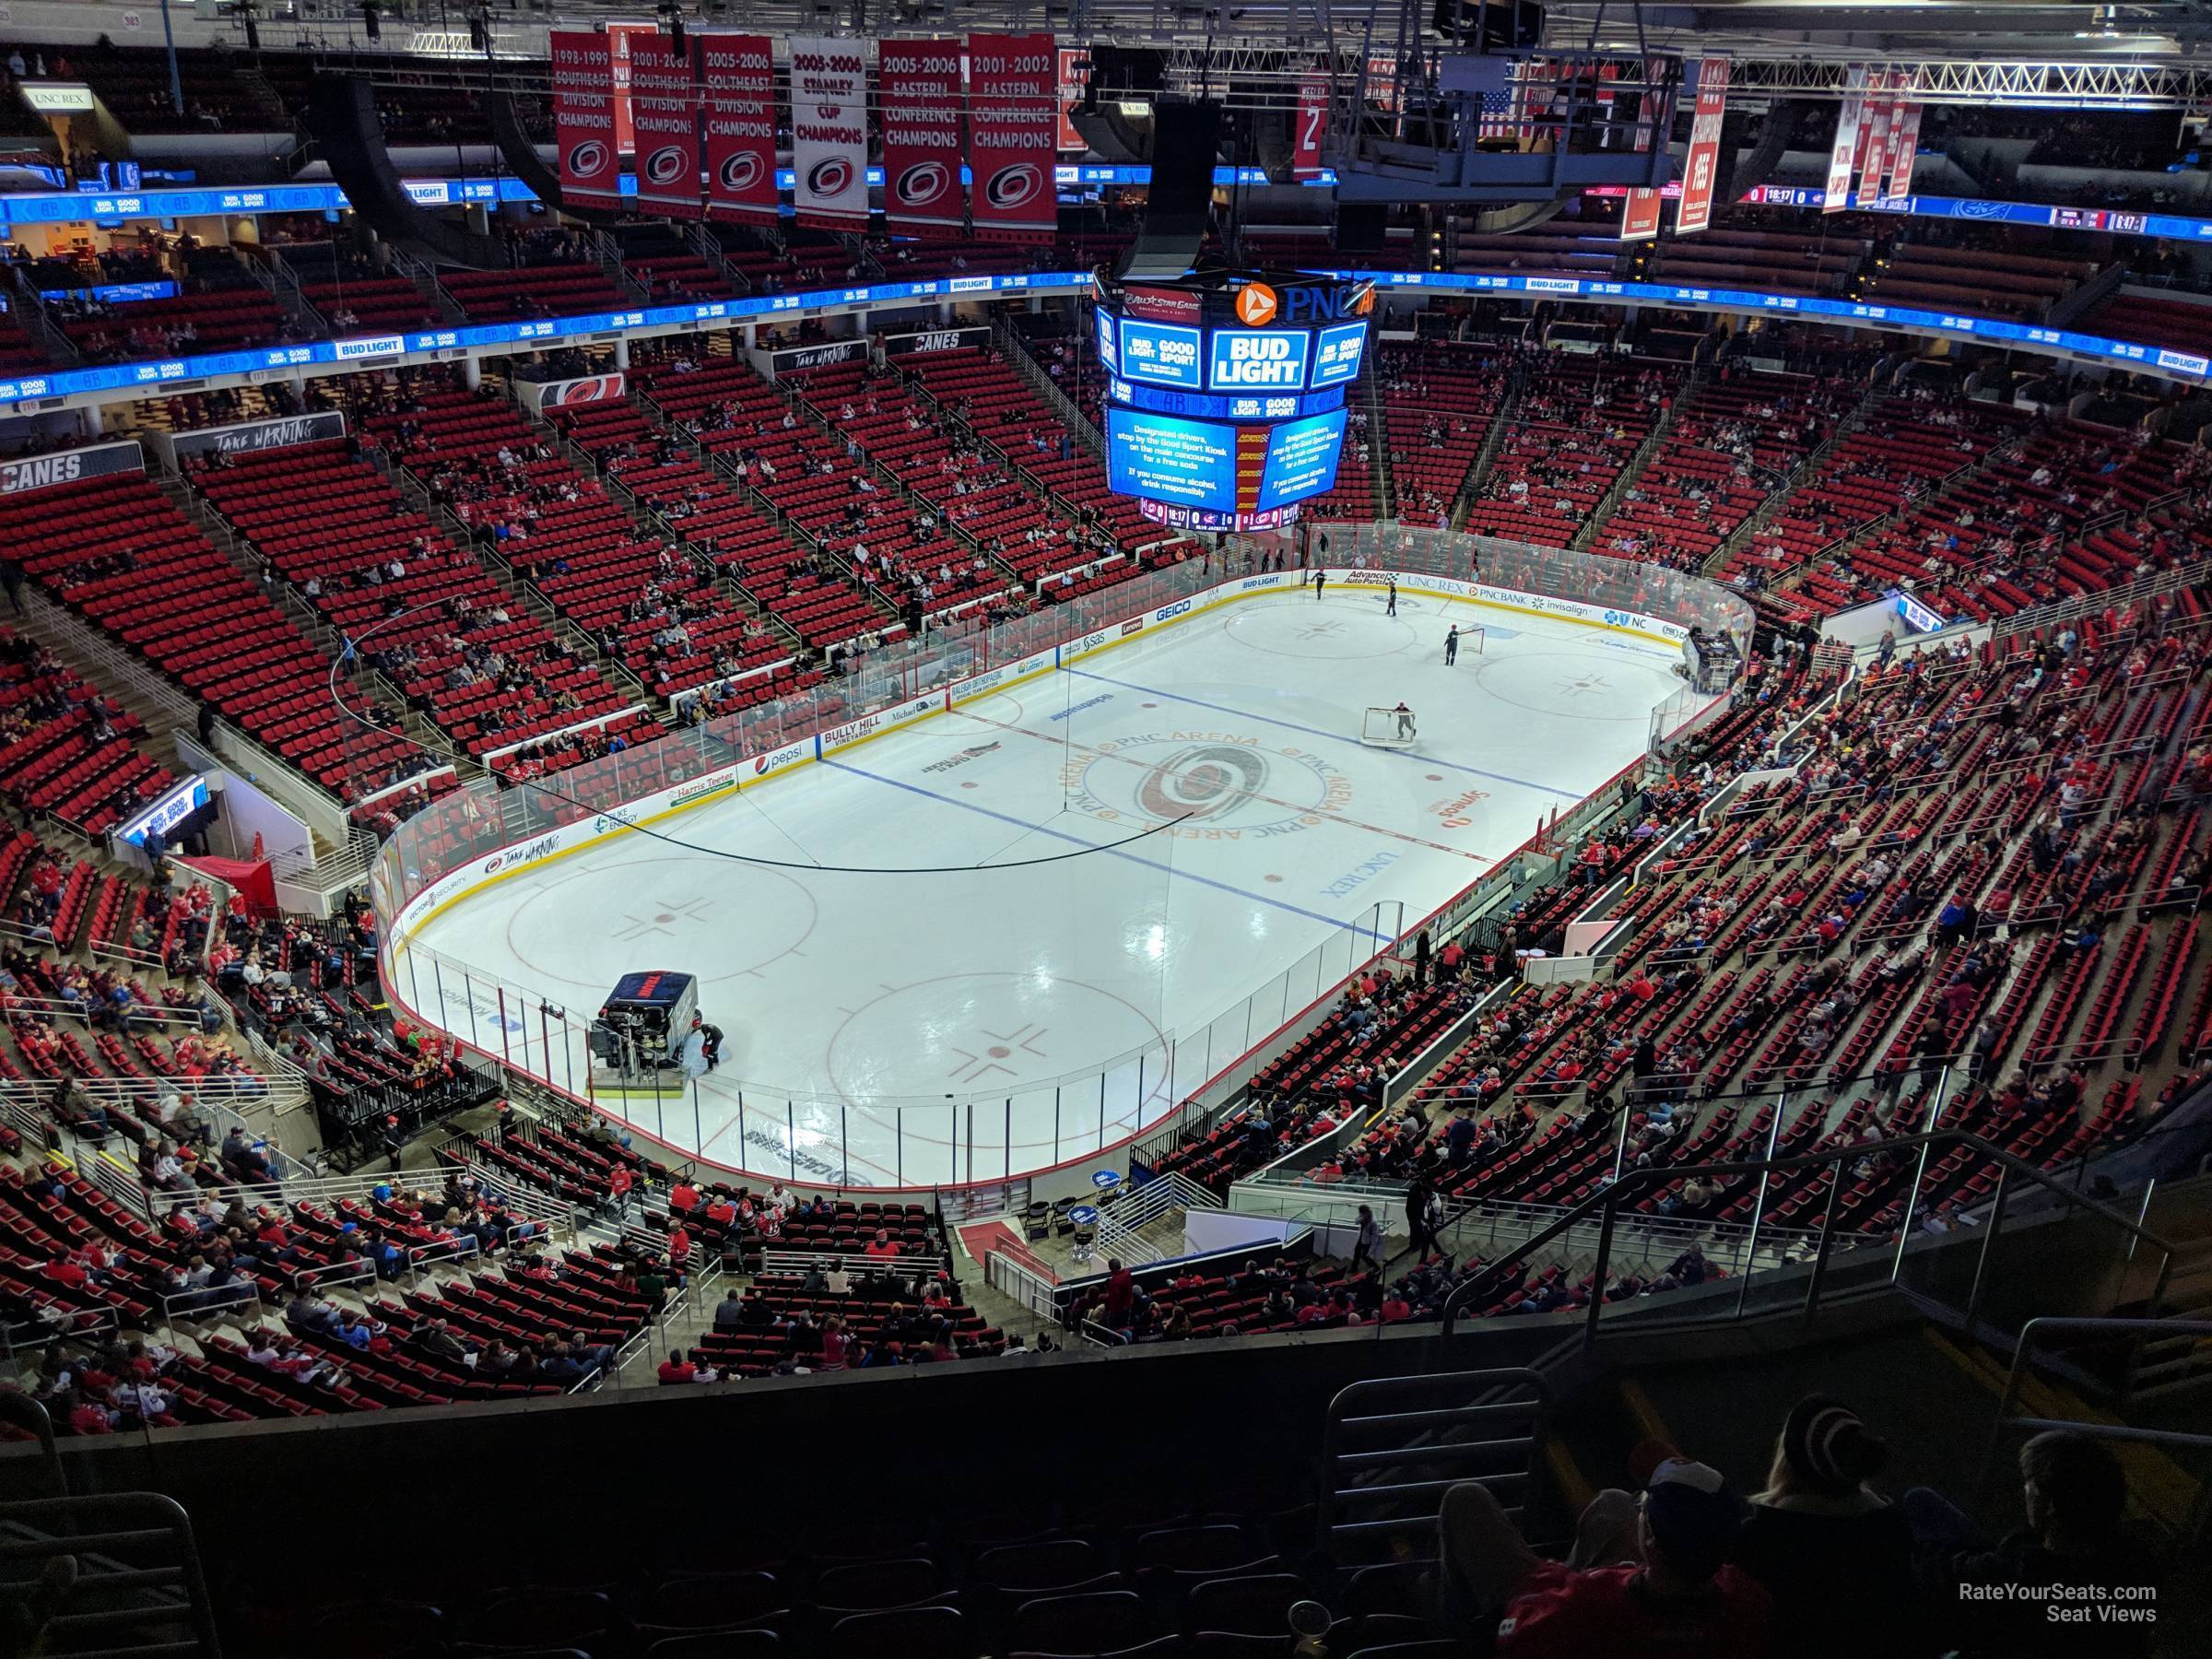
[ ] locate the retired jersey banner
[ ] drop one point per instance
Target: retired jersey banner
(1904, 148)
(739, 75)
(1310, 125)
(1873, 144)
(1845, 151)
(1640, 219)
(583, 120)
(1075, 86)
(1014, 136)
(830, 132)
(663, 115)
(1702, 166)
(620, 38)
(918, 100)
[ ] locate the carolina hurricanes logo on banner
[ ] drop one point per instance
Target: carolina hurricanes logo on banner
(1197, 781)
(922, 183)
(1011, 186)
(665, 166)
(740, 171)
(828, 178)
(588, 159)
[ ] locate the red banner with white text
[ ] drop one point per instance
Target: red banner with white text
(1311, 124)
(918, 100)
(664, 115)
(739, 73)
(1904, 148)
(583, 120)
(1075, 86)
(1640, 217)
(621, 38)
(1014, 136)
(1702, 166)
(1874, 147)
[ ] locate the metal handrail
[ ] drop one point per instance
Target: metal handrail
(1605, 1205)
(2054, 1325)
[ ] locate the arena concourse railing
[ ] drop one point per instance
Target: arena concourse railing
(492, 826)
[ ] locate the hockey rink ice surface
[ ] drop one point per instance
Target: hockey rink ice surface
(865, 1007)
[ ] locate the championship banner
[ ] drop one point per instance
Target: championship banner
(620, 39)
(918, 100)
(1837, 196)
(1694, 211)
(739, 71)
(1874, 149)
(1013, 135)
(830, 132)
(1074, 82)
(584, 119)
(664, 112)
(1309, 124)
(1904, 147)
(1640, 219)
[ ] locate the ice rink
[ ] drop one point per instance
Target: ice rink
(909, 998)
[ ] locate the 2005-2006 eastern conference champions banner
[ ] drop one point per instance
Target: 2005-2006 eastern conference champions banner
(1014, 136)
(664, 118)
(739, 72)
(584, 119)
(918, 94)
(830, 132)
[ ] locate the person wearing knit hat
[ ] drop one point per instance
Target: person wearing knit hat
(1836, 1554)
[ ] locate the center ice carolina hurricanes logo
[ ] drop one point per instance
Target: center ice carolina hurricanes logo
(740, 171)
(587, 159)
(1201, 781)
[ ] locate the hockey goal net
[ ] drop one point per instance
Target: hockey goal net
(1388, 728)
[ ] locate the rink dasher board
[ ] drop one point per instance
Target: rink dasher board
(516, 857)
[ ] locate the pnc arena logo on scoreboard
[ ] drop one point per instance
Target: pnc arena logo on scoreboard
(1257, 304)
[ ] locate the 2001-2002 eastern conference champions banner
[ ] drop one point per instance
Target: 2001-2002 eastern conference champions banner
(1013, 135)
(830, 132)
(918, 95)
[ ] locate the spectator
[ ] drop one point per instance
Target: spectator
(676, 1369)
(1837, 1555)
(2075, 1495)
(1644, 1577)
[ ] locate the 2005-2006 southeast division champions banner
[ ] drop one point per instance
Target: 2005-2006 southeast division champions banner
(739, 73)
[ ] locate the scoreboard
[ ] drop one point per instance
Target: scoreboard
(1226, 392)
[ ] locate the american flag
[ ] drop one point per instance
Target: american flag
(1499, 101)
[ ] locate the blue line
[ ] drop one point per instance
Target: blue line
(1133, 858)
(1292, 725)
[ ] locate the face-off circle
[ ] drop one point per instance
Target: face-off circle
(966, 1034)
(727, 932)
(1221, 785)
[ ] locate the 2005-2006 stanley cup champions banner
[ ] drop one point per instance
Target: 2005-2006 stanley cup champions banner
(830, 132)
